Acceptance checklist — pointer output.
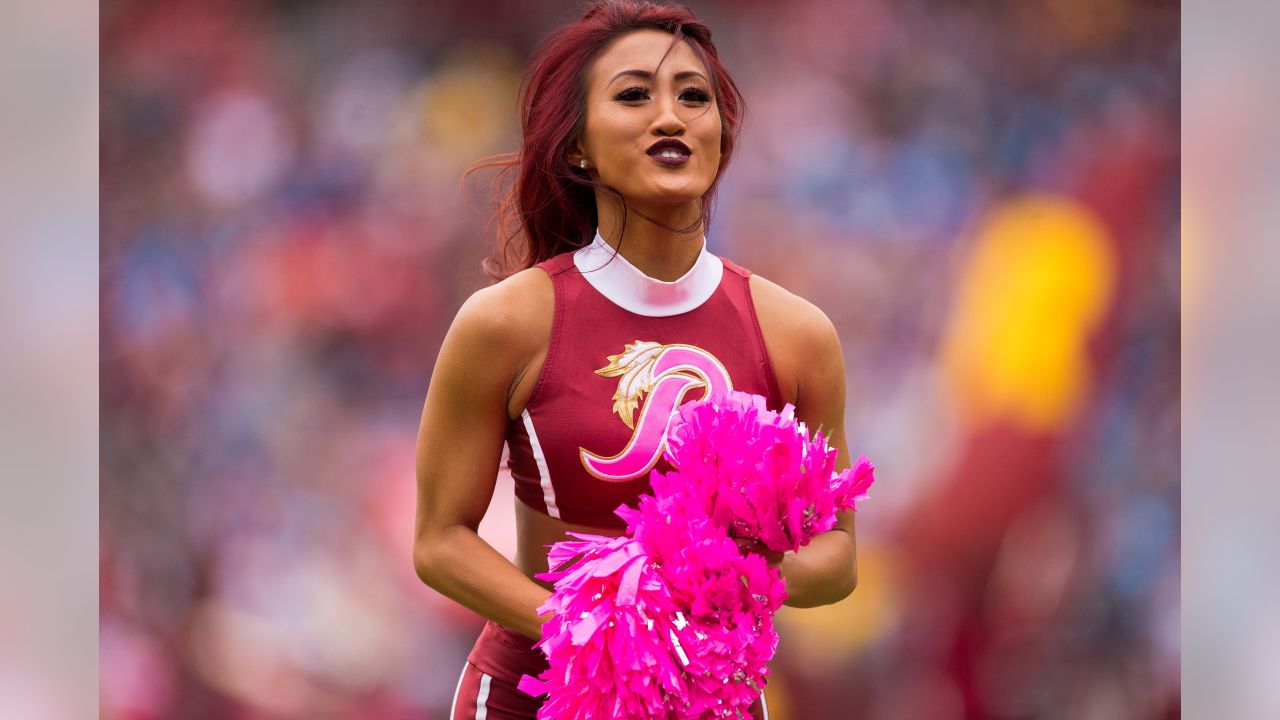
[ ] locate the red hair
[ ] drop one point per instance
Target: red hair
(551, 206)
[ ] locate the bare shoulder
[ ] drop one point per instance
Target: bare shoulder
(801, 340)
(800, 315)
(792, 319)
(498, 341)
(510, 318)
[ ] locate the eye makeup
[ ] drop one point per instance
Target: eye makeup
(637, 93)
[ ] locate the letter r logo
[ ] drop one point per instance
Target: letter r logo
(654, 379)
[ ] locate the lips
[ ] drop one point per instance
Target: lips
(669, 151)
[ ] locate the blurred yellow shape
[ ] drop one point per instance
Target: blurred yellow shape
(468, 107)
(1038, 281)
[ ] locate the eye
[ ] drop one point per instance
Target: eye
(695, 95)
(633, 94)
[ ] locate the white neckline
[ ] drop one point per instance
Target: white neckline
(630, 289)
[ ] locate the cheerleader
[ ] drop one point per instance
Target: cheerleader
(608, 314)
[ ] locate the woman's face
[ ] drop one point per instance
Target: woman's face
(653, 138)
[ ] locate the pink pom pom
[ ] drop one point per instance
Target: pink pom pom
(668, 621)
(757, 472)
(671, 620)
(603, 661)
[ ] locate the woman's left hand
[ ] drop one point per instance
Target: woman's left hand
(749, 545)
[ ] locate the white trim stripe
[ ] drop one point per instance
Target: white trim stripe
(482, 698)
(453, 706)
(544, 476)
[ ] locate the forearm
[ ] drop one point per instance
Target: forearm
(460, 565)
(822, 572)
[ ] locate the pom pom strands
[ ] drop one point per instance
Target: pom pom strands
(669, 621)
(756, 472)
(672, 620)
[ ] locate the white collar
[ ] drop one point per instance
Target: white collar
(629, 288)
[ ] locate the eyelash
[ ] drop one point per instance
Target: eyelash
(630, 94)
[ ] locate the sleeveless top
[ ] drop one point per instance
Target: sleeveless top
(626, 350)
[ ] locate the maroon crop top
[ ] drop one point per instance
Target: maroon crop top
(625, 351)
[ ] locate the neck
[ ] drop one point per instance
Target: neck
(655, 250)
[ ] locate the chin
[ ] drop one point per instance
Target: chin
(671, 198)
(673, 193)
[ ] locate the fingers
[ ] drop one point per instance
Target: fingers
(751, 545)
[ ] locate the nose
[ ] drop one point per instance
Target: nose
(667, 122)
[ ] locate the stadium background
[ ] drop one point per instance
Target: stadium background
(982, 196)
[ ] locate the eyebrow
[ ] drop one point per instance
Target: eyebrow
(646, 75)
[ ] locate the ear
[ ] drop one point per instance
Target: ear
(577, 154)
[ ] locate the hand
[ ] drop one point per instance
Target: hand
(749, 545)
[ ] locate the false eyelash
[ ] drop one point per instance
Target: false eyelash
(701, 95)
(629, 94)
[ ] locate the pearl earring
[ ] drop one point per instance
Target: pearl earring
(583, 163)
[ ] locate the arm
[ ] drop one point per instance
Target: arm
(824, 571)
(464, 422)
(809, 362)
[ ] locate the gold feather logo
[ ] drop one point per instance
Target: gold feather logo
(635, 366)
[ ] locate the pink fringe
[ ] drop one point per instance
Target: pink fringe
(672, 620)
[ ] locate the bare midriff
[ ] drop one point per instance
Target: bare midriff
(536, 530)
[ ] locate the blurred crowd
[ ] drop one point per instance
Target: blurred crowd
(984, 198)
